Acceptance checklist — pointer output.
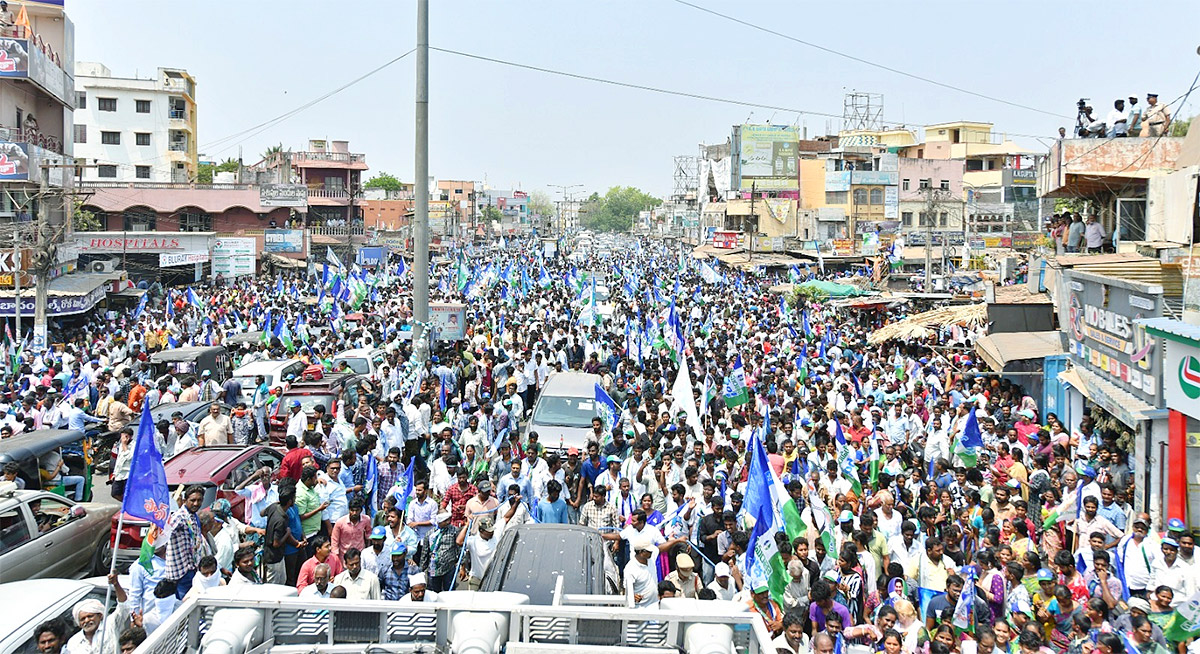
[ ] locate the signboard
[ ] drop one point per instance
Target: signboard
(917, 237)
(1025, 240)
(1103, 337)
(233, 257)
(372, 256)
(449, 320)
(14, 161)
(283, 195)
(1181, 377)
(891, 202)
(56, 305)
(392, 240)
(1019, 177)
(14, 58)
(126, 242)
(767, 157)
(283, 240)
(725, 240)
(169, 259)
(842, 245)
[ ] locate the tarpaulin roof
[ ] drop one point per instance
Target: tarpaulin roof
(832, 289)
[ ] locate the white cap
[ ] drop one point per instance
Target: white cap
(417, 579)
(722, 570)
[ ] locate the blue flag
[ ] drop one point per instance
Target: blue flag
(146, 493)
(971, 435)
(606, 408)
(193, 299)
(404, 486)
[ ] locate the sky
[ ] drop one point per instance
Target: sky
(517, 128)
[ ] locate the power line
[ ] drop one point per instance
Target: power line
(630, 85)
(860, 60)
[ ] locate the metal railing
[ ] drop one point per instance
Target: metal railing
(177, 114)
(176, 146)
(166, 185)
(338, 157)
(32, 137)
(342, 230)
(332, 193)
(300, 624)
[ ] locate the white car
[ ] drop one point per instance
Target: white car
(362, 361)
(40, 600)
(273, 373)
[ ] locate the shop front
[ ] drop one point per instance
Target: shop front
(1181, 393)
(1115, 379)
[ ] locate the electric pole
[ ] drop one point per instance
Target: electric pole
(754, 221)
(933, 205)
(421, 213)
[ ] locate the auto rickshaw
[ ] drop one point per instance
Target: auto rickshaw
(34, 452)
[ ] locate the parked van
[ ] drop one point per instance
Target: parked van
(361, 361)
(562, 414)
(273, 373)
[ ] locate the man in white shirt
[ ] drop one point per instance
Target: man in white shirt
(297, 421)
(359, 583)
(1093, 234)
(641, 583)
(480, 546)
(1117, 120)
(722, 584)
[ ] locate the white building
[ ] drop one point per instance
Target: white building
(135, 130)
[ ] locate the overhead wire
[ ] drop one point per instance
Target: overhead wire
(890, 69)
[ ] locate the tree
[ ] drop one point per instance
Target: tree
(616, 209)
(385, 181)
(204, 174)
(272, 151)
(85, 221)
(540, 204)
(492, 214)
(1179, 126)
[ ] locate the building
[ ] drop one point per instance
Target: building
(939, 180)
(513, 208)
(332, 175)
(387, 210)
(135, 129)
(458, 210)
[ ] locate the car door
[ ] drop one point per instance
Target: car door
(61, 548)
(17, 558)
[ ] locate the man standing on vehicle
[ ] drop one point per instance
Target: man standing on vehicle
(215, 428)
(209, 389)
(259, 400)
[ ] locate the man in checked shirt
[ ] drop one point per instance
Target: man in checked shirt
(183, 545)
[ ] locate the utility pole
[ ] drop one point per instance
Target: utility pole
(421, 214)
(933, 205)
(16, 268)
(754, 220)
(565, 190)
(40, 281)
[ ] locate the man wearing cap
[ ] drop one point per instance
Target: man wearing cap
(723, 585)
(611, 477)
(685, 579)
(640, 580)
(483, 504)
(770, 611)
(393, 574)
(1137, 552)
(376, 544)
(297, 420)
(1168, 570)
(1156, 119)
(418, 590)
(444, 552)
(89, 615)
(480, 548)
(209, 389)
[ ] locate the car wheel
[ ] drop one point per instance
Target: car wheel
(102, 559)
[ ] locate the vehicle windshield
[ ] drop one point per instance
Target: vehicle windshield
(560, 411)
(309, 402)
(248, 384)
(358, 365)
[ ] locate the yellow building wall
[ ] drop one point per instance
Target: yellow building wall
(812, 183)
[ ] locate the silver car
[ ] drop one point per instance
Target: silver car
(47, 535)
(563, 412)
(40, 600)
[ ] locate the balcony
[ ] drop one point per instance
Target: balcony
(32, 137)
(340, 230)
(177, 146)
(178, 114)
(29, 57)
(167, 185)
(319, 159)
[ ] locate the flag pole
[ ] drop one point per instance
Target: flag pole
(112, 568)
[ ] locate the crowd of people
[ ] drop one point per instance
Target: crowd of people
(938, 508)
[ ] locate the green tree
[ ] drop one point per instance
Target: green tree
(85, 221)
(492, 214)
(385, 181)
(616, 209)
(204, 174)
(272, 151)
(1179, 126)
(540, 204)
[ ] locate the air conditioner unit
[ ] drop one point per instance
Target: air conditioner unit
(104, 265)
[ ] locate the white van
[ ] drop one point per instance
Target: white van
(274, 372)
(362, 361)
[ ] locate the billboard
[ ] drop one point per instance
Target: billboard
(14, 161)
(1181, 377)
(372, 256)
(725, 240)
(172, 259)
(233, 257)
(767, 157)
(1103, 337)
(283, 240)
(14, 58)
(449, 320)
(283, 195)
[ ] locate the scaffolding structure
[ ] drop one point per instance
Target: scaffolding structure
(686, 179)
(862, 111)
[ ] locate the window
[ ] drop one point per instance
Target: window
(904, 185)
(193, 220)
(106, 104)
(143, 172)
(860, 196)
(110, 138)
(51, 513)
(942, 219)
(974, 164)
(835, 197)
(143, 138)
(14, 529)
(906, 217)
(81, 99)
(107, 171)
(876, 196)
(140, 219)
(945, 185)
(143, 106)
(924, 184)
(81, 133)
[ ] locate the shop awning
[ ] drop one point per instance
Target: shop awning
(286, 262)
(1123, 405)
(1001, 349)
(67, 295)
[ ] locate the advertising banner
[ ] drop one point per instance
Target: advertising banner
(449, 320)
(725, 240)
(1181, 377)
(1025, 240)
(283, 240)
(233, 257)
(169, 259)
(14, 161)
(372, 256)
(283, 195)
(767, 157)
(14, 58)
(1104, 339)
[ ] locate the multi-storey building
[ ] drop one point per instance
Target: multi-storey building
(134, 129)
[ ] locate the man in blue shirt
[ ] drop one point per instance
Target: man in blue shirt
(553, 509)
(78, 419)
(393, 574)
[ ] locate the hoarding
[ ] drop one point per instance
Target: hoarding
(283, 195)
(1025, 240)
(767, 157)
(283, 240)
(171, 259)
(449, 320)
(1181, 377)
(14, 161)
(372, 256)
(725, 240)
(1103, 337)
(14, 58)
(233, 257)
